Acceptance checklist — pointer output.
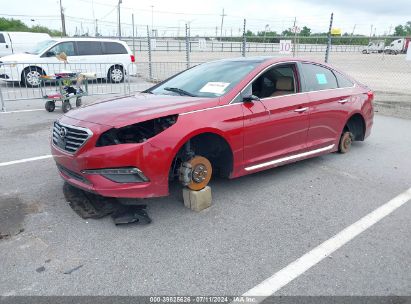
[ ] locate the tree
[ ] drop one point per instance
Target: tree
(14, 25)
(399, 31)
(287, 32)
(306, 31)
(249, 33)
(403, 30)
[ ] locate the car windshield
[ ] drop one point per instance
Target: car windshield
(41, 46)
(211, 79)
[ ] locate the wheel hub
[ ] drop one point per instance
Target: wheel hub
(199, 173)
(196, 173)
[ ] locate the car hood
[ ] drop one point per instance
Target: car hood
(21, 57)
(122, 111)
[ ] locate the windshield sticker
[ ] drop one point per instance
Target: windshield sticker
(321, 79)
(215, 87)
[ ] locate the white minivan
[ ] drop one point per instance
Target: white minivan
(107, 58)
(19, 42)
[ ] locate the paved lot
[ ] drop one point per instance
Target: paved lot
(257, 225)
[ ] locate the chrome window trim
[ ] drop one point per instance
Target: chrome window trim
(88, 131)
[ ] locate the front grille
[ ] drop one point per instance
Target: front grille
(69, 138)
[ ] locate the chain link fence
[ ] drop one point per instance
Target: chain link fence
(157, 58)
(388, 74)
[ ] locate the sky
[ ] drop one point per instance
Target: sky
(169, 17)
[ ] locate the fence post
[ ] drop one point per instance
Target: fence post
(150, 67)
(134, 45)
(244, 39)
(187, 48)
(327, 51)
(3, 106)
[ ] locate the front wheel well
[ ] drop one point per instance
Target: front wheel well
(31, 68)
(356, 125)
(211, 146)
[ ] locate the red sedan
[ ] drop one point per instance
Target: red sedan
(230, 117)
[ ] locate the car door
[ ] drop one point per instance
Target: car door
(90, 59)
(5, 45)
(276, 125)
(52, 65)
(329, 105)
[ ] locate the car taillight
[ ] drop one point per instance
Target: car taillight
(133, 59)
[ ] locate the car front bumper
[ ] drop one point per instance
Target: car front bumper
(145, 157)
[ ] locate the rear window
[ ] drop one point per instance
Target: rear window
(89, 48)
(319, 78)
(2, 39)
(114, 48)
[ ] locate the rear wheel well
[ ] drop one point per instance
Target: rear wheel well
(356, 126)
(210, 145)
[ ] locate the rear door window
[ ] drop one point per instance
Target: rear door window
(2, 40)
(318, 78)
(343, 82)
(113, 48)
(85, 48)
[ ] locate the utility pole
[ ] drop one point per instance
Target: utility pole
(63, 21)
(152, 20)
(134, 45)
(327, 51)
(222, 23)
(96, 34)
(371, 32)
(295, 36)
(119, 18)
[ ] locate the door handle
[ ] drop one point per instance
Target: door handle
(342, 101)
(301, 110)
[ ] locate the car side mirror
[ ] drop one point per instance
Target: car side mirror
(250, 98)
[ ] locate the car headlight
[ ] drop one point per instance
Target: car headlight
(136, 133)
(120, 175)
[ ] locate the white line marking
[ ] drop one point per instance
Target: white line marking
(19, 111)
(24, 160)
(284, 159)
(274, 283)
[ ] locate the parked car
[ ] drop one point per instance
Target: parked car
(399, 46)
(231, 117)
(374, 47)
(19, 42)
(108, 58)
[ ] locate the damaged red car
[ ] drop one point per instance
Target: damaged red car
(229, 117)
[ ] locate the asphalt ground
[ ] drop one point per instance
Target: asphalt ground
(257, 225)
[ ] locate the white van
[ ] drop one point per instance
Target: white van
(19, 42)
(108, 58)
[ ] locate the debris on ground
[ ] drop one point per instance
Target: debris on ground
(41, 269)
(131, 214)
(70, 271)
(89, 205)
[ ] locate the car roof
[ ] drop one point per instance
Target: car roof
(87, 39)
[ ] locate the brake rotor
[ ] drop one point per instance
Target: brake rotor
(201, 171)
(345, 143)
